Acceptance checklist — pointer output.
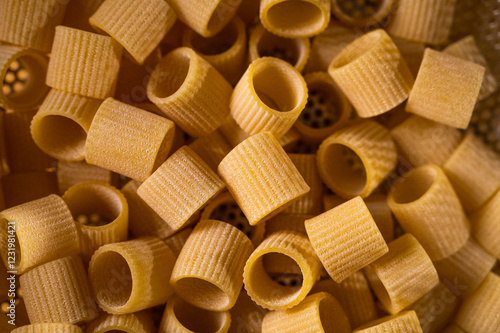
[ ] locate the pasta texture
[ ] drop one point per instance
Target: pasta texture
(382, 215)
(72, 173)
(361, 14)
(486, 225)
(285, 221)
(139, 322)
(48, 328)
(246, 316)
(212, 148)
(404, 322)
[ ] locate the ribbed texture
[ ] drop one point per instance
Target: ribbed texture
(440, 76)
(405, 322)
(284, 221)
(116, 125)
(137, 25)
(403, 275)
(319, 312)
(61, 124)
(372, 74)
(66, 299)
(246, 316)
(84, 63)
(208, 272)
(31, 23)
(44, 230)
(372, 144)
(364, 16)
(177, 241)
(72, 173)
(139, 322)
(425, 21)
(141, 269)
(481, 312)
(474, 171)
(295, 19)
(269, 97)
(48, 328)
(422, 141)
(426, 206)
(212, 148)
(268, 293)
(486, 225)
(261, 177)
(346, 239)
(28, 186)
(180, 187)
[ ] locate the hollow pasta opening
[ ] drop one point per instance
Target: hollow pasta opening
(378, 287)
(290, 50)
(325, 308)
(359, 9)
(197, 319)
(357, 49)
(295, 15)
(9, 236)
(164, 150)
(414, 185)
(202, 293)
(221, 15)
(171, 73)
(323, 107)
(217, 44)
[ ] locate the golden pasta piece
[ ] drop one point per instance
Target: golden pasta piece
(403, 275)
(426, 206)
(26, 72)
(177, 241)
(74, 69)
(346, 239)
(423, 141)
(208, 272)
(131, 276)
(246, 316)
(412, 52)
(115, 126)
(212, 148)
(43, 230)
(290, 139)
(404, 322)
(284, 221)
(66, 299)
(139, 322)
(27, 186)
(474, 171)
(295, 19)
(180, 187)
(261, 177)
(434, 94)
(486, 225)
(480, 312)
(260, 285)
(372, 74)
(48, 328)
(137, 25)
(190, 91)
(232, 132)
(269, 97)
(354, 160)
(61, 125)
(362, 13)
(72, 173)
(319, 312)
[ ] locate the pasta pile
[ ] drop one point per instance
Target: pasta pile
(271, 166)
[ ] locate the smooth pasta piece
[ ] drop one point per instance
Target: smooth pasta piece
(269, 97)
(115, 126)
(27, 186)
(261, 177)
(346, 239)
(260, 285)
(363, 13)
(372, 74)
(426, 206)
(66, 299)
(246, 316)
(319, 312)
(190, 91)
(139, 322)
(295, 19)
(48, 328)
(402, 275)
(486, 225)
(44, 231)
(404, 322)
(22, 64)
(354, 160)
(180, 187)
(412, 52)
(72, 173)
(131, 276)
(177, 241)
(208, 272)
(61, 125)
(440, 76)
(212, 148)
(285, 221)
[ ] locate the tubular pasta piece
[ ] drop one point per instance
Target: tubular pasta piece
(72, 173)
(177, 241)
(486, 225)
(290, 139)
(412, 52)
(28, 186)
(285, 221)
(404, 322)
(232, 132)
(212, 148)
(362, 14)
(246, 316)
(139, 322)
(48, 328)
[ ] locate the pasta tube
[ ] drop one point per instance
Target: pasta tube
(139, 322)
(486, 225)
(212, 148)
(404, 322)
(361, 14)
(48, 328)
(72, 173)
(284, 221)
(246, 316)
(177, 241)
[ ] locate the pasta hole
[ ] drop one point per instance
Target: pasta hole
(217, 44)
(221, 15)
(378, 287)
(295, 15)
(414, 185)
(202, 293)
(170, 74)
(196, 319)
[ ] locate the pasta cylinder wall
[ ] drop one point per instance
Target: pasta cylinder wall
(139, 322)
(177, 241)
(361, 14)
(486, 225)
(131, 276)
(261, 177)
(403, 322)
(48, 328)
(72, 173)
(285, 221)
(246, 315)
(67, 299)
(74, 69)
(426, 206)
(212, 148)
(372, 74)
(213, 280)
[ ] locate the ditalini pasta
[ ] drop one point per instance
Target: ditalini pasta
(131, 276)
(486, 225)
(365, 13)
(372, 74)
(139, 322)
(72, 173)
(48, 328)
(319, 312)
(73, 69)
(28, 186)
(261, 177)
(190, 91)
(404, 322)
(209, 273)
(66, 299)
(426, 206)
(212, 148)
(115, 126)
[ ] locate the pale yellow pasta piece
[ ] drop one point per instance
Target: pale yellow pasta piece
(66, 299)
(362, 13)
(212, 148)
(139, 322)
(131, 276)
(48, 328)
(356, 159)
(78, 13)
(295, 18)
(190, 91)
(426, 206)
(486, 225)
(246, 316)
(393, 118)
(439, 78)
(72, 173)
(412, 52)
(44, 231)
(115, 126)
(285, 221)
(261, 177)
(404, 322)
(372, 74)
(177, 241)
(403, 275)
(28, 186)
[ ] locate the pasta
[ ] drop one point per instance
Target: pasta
(486, 226)
(78, 13)
(361, 14)
(139, 322)
(28, 186)
(212, 148)
(404, 322)
(284, 221)
(246, 316)
(412, 52)
(177, 241)
(48, 328)
(72, 173)
(454, 329)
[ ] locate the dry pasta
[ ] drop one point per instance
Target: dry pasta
(212, 148)
(72, 173)
(139, 322)
(27, 186)
(78, 13)
(363, 13)
(486, 225)
(48, 328)
(177, 241)
(284, 221)
(246, 316)
(404, 322)
(412, 52)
